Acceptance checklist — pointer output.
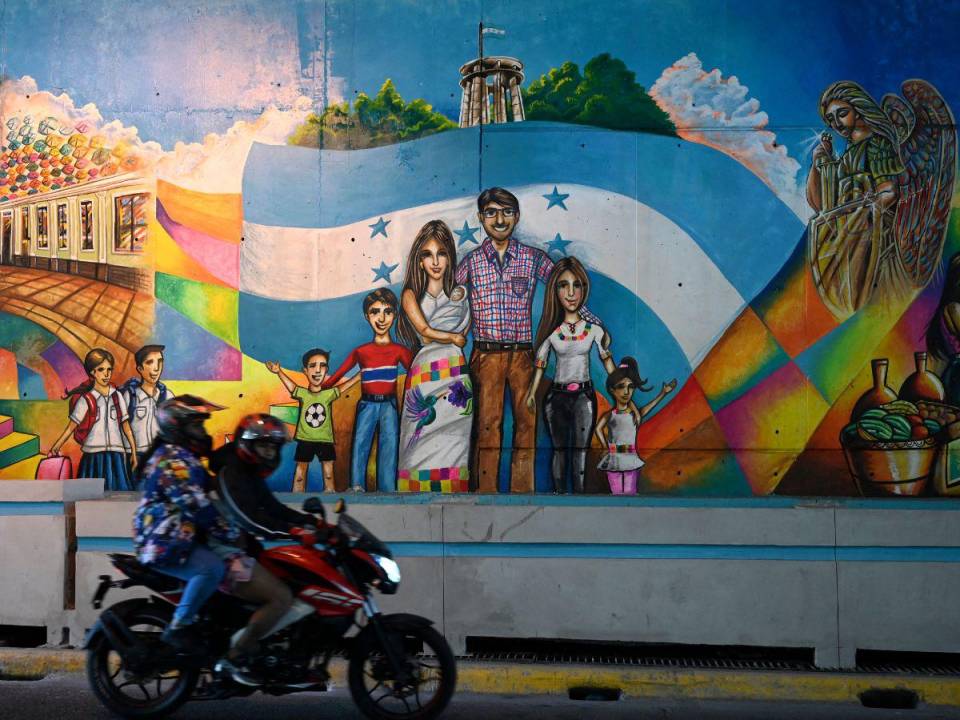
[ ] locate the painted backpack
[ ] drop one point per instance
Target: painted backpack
(83, 428)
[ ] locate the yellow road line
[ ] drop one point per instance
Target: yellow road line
(634, 682)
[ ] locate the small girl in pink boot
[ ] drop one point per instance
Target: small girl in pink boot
(621, 463)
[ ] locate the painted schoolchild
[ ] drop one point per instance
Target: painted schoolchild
(142, 395)
(99, 424)
(377, 410)
(314, 433)
(617, 429)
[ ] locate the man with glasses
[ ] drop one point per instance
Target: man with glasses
(501, 276)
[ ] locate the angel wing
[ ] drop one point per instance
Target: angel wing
(929, 153)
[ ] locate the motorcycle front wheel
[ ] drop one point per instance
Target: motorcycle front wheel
(151, 695)
(424, 688)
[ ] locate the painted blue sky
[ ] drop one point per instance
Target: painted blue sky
(179, 69)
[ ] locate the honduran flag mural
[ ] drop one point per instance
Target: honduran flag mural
(671, 271)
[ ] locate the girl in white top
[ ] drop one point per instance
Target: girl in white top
(570, 407)
(622, 463)
(102, 435)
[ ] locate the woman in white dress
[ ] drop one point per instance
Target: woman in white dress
(438, 397)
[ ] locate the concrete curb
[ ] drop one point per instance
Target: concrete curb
(636, 682)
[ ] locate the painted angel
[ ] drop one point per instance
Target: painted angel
(883, 205)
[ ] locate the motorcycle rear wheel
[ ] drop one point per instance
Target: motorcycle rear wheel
(431, 662)
(109, 679)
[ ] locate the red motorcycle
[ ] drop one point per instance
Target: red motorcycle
(399, 666)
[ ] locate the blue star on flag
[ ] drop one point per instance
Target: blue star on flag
(380, 227)
(383, 272)
(558, 244)
(556, 198)
(466, 234)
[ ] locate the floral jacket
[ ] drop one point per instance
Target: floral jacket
(176, 511)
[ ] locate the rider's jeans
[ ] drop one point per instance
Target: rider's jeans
(203, 571)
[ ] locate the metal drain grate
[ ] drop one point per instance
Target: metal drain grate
(694, 663)
(909, 668)
(687, 662)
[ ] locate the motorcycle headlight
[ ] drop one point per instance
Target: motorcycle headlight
(389, 567)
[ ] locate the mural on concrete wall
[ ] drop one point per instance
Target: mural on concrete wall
(555, 251)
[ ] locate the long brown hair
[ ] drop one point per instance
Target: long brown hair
(865, 106)
(415, 278)
(90, 363)
(553, 311)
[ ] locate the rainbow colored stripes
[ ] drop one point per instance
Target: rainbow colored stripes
(449, 367)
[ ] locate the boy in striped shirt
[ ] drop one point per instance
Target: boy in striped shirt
(377, 409)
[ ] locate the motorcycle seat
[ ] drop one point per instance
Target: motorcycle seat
(144, 574)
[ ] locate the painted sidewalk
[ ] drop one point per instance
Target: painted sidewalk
(557, 679)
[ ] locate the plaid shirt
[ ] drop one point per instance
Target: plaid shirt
(501, 296)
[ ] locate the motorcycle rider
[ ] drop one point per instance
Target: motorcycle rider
(242, 467)
(176, 516)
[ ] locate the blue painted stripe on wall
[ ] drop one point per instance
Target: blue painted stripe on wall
(614, 551)
(31, 508)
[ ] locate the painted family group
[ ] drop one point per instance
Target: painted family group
(447, 435)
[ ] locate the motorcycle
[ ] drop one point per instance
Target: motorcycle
(399, 666)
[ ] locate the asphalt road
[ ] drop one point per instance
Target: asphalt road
(66, 697)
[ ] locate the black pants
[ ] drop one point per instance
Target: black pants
(570, 417)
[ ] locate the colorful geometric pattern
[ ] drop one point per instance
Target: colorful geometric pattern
(52, 155)
(779, 381)
(438, 370)
(742, 357)
(621, 448)
(441, 480)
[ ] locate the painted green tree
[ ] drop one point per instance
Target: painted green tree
(371, 121)
(605, 94)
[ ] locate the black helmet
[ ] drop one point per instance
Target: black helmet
(259, 439)
(180, 422)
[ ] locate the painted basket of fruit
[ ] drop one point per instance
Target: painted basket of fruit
(891, 449)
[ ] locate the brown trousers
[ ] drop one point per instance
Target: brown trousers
(491, 372)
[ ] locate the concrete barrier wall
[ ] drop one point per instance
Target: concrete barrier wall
(832, 576)
(37, 544)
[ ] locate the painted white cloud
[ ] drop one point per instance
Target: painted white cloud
(214, 165)
(709, 109)
(21, 98)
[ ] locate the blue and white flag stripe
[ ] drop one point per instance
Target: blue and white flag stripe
(635, 246)
(739, 223)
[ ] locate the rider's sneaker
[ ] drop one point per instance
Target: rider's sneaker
(184, 638)
(238, 670)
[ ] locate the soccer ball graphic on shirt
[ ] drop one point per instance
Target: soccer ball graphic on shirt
(315, 415)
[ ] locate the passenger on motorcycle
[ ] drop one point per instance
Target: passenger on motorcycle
(242, 467)
(176, 514)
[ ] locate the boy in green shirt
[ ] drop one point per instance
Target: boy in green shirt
(314, 434)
